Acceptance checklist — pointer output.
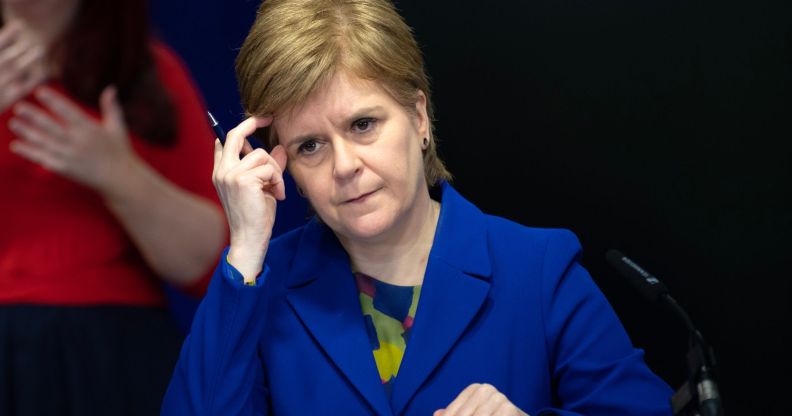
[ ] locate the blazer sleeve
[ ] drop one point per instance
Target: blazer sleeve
(595, 369)
(219, 370)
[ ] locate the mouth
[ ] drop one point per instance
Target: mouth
(361, 198)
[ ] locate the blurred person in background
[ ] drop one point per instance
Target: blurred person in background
(105, 168)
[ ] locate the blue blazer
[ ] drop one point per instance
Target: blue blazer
(501, 304)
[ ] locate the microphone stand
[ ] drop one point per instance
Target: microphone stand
(699, 395)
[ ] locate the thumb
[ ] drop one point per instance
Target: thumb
(438, 412)
(279, 154)
(112, 114)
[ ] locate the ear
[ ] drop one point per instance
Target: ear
(421, 115)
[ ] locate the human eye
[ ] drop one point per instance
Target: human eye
(363, 125)
(308, 147)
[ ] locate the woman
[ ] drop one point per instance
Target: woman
(499, 318)
(106, 194)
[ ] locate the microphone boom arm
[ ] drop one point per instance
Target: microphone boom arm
(699, 396)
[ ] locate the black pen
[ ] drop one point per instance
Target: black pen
(218, 131)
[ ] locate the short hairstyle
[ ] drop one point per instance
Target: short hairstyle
(295, 46)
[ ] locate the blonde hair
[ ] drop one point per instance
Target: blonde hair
(295, 46)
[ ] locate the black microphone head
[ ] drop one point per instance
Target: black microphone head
(648, 285)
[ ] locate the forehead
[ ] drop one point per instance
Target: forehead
(337, 99)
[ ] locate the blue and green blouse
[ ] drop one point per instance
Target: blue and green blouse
(389, 313)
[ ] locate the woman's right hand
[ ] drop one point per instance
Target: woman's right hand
(21, 64)
(248, 188)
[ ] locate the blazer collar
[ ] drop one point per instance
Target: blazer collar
(461, 235)
(323, 295)
(455, 287)
(460, 240)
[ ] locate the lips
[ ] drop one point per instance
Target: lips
(360, 198)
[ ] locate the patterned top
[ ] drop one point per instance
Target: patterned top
(389, 311)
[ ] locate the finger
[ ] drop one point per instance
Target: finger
(278, 159)
(15, 46)
(17, 90)
(456, 405)
(260, 157)
(61, 107)
(218, 154)
(28, 59)
(233, 146)
(238, 135)
(26, 73)
(479, 397)
(37, 154)
(34, 77)
(440, 412)
(507, 409)
(490, 404)
(264, 178)
(13, 67)
(270, 177)
(281, 157)
(37, 118)
(246, 147)
(22, 66)
(37, 137)
(253, 159)
(112, 114)
(9, 33)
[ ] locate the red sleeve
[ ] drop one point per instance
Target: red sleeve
(188, 162)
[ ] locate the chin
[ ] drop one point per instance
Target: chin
(366, 227)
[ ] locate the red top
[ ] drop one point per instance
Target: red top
(60, 245)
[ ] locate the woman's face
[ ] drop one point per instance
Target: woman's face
(356, 154)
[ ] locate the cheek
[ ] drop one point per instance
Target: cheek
(406, 145)
(312, 182)
(298, 175)
(413, 154)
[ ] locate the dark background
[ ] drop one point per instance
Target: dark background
(658, 128)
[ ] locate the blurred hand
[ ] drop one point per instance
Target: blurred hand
(70, 142)
(248, 188)
(480, 400)
(22, 65)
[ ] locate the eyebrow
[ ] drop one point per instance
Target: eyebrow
(360, 113)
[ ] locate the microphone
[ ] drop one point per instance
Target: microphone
(640, 279)
(706, 390)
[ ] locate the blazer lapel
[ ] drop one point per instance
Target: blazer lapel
(455, 287)
(449, 301)
(324, 296)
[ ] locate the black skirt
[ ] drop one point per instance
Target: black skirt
(106, 360)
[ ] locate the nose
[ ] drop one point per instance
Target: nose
(346, 160)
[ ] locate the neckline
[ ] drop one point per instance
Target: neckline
(359, 275)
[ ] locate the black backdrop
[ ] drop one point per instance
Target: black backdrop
(660, 128)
